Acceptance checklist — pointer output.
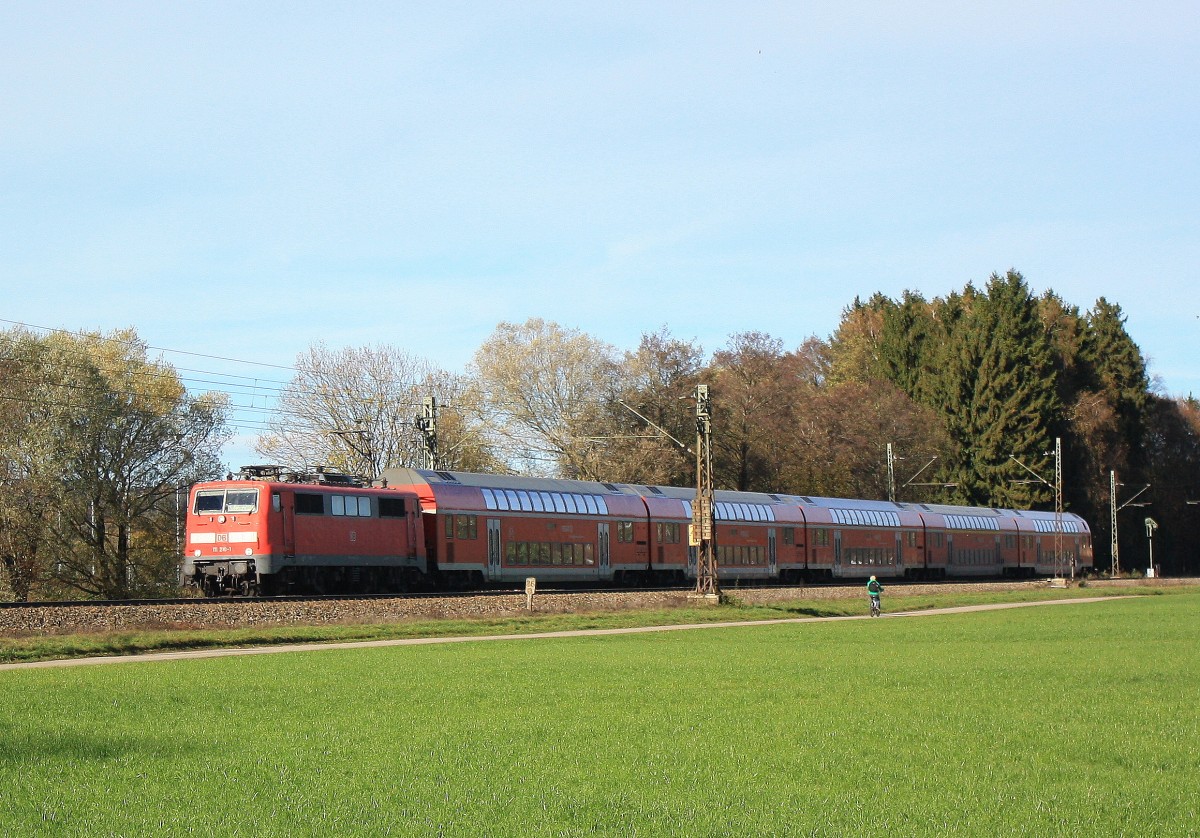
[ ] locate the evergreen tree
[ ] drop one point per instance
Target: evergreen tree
(1002, 400)
(1117, 370)
(908, 344)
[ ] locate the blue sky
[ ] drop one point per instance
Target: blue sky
(244, 179)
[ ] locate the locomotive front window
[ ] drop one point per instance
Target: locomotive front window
(210, 501)
(214, 501)
(241, 500)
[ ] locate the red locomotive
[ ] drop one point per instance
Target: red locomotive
(273, 532)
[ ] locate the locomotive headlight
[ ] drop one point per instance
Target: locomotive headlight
(220, 519)
(197, 553)
(249, 551)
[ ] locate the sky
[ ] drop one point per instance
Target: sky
(239, 180)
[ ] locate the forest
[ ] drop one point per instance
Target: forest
(968, 392)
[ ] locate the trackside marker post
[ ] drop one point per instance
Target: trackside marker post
(530, 590)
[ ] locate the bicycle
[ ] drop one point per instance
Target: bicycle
(874, 606)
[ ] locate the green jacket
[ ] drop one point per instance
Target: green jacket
(874, 588)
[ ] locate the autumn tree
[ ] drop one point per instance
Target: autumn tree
(649, 417)
(110, 438)
(27, 468)
(756, 389)
(544, 389)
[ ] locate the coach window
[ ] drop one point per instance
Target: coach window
(789, 535)
(276, 503)
(536, 499)
(465, 526)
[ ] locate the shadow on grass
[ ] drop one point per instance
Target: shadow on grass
(814, 612)
(77, 747)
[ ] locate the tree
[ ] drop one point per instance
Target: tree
(650, 412)
(1000, 398)
(30, 482)
(854, 347)
(756, 387)
(111, 437)
(841, 442)
(1116, 368)
(353, 410)
(1172, 454)
(544, 390)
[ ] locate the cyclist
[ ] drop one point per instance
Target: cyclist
(874, 589)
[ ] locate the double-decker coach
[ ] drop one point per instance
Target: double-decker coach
(967, 540)
(1037, 542)
(758, 536)
(503, 528)
(856, 539)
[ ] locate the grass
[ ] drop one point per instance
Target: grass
(57, 646)
(1066, 720)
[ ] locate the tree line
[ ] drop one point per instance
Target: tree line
(970, 391)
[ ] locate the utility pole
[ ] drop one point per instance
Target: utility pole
(891, 474)
(1058, 509)
(426, 424)
(1057, 486)
(703, 530)
(1114, 509)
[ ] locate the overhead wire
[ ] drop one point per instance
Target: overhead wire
(271, 416)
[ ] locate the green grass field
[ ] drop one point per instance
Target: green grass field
(1081, 719)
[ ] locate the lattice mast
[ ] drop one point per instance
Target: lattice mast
(703, 532)
(1059, 559)
(1112, 507)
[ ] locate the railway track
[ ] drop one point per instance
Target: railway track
(484, 593)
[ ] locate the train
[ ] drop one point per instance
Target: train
(273, 532)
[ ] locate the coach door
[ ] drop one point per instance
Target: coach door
(837, 552)
(772, 559)
(493, 553)
(603, 545)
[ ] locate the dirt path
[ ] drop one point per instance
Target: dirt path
(421, 641)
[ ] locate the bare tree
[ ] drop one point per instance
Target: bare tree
(353, 410)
